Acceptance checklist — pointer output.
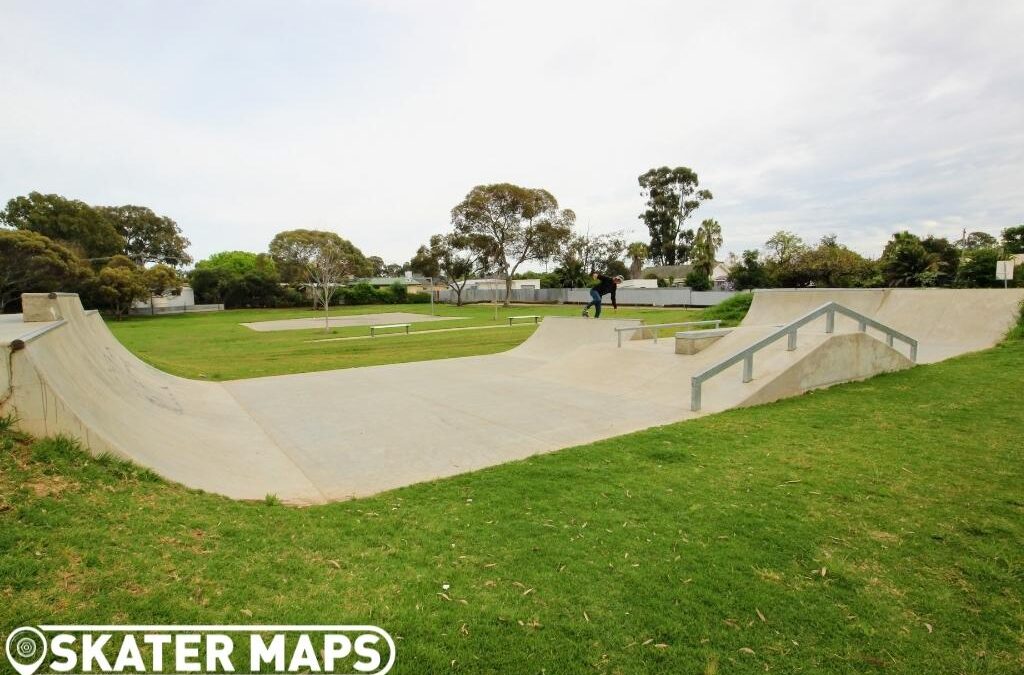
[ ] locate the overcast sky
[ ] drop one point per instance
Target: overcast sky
(373, 119)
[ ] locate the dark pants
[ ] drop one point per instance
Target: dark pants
(596, 302)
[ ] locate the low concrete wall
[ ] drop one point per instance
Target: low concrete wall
(651, 297)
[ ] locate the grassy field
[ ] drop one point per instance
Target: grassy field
(215, 347)
(876, 527)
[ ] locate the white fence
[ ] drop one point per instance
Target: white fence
(652, 297)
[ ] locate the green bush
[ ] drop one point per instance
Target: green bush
(697, 281)
(417, 298)
(359, 294)
(399, 293)
(730, 311)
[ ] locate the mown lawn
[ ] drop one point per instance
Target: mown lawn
(877, 527)
(215, 347)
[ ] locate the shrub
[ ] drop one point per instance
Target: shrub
(359, 294)
(417, 298)
(730, 311)
(698, 281)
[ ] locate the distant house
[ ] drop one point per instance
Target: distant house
(677, 274)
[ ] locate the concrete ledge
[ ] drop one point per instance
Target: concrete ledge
(692, 341)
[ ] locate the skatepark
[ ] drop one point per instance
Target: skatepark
(324, 436)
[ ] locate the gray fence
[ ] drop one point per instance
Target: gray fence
(651, 297)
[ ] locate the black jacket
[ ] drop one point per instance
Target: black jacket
(604, 286)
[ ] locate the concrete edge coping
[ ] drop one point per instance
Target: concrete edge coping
(699, 334)
(20, 342)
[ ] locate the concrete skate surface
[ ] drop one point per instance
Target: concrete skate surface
(316, 437)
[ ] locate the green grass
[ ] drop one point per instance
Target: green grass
(875, 527)
(215, 347)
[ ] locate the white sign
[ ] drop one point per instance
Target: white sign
(1004, 270)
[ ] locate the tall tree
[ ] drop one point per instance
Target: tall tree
(508, 225)
(597, 252)
(294, 250)
(376, 265)
(783, 245)
(749, 272)
(1013, 239)
(67, 221)
(638, 253)
(672, 197)
(705, 246)
(973, 240)
(148, 237)
(833, 265)
(449, 257)
(948, 257)
(978, 269)
(30, 262)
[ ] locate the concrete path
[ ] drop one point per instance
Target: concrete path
(317, 437)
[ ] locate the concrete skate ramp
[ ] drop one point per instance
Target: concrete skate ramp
(945, 322)
(316, 437)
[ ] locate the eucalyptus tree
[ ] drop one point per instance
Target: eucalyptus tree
(509, 225)
(672, 197)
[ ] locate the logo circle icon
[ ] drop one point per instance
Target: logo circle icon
(26, 649)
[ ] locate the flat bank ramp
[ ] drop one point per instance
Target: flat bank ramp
(945, 322)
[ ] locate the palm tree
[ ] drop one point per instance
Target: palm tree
(638, 253)
(705, 246)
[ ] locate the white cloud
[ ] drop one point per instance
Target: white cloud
(374, 119)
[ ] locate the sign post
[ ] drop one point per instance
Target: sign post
(1004, 271)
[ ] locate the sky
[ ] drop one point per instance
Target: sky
(374, 118)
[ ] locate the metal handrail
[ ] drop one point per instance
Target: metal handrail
(828, 310)
(717, 322)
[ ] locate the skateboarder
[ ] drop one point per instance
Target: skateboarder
(604, 286)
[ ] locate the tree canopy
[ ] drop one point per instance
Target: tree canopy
(672, 197)
(906, 262)
(1013, 239)
(148, 238)
(294, 250)
(449, 257)
(507, 225)
(238, 279)
(31, 262)
(67, 221)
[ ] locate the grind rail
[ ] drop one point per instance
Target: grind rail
(828, 310)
